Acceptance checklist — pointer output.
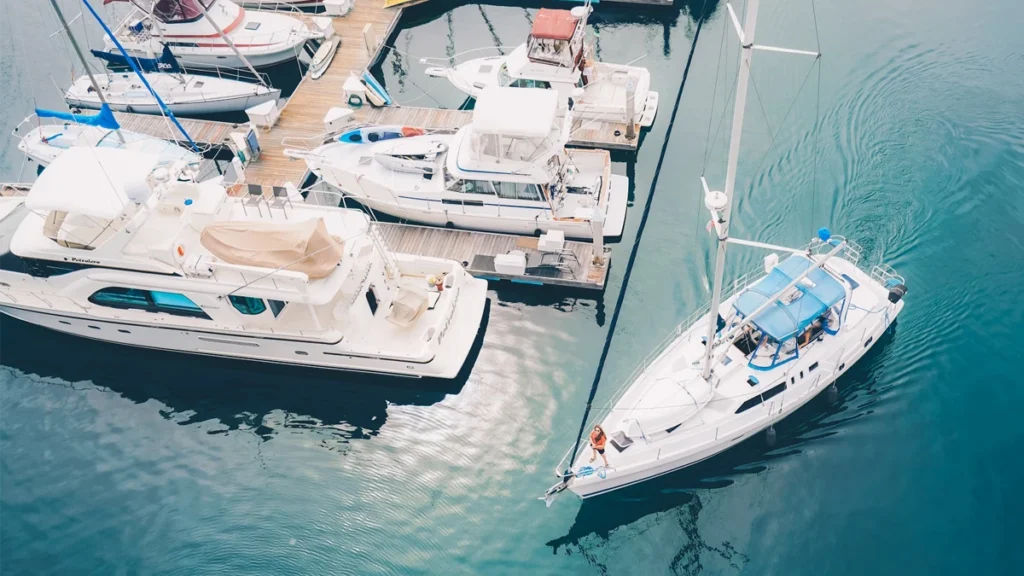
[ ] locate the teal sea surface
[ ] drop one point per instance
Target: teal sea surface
(907, 135)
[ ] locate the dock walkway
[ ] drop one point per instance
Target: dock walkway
(478, 249)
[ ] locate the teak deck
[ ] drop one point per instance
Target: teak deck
(477, 250)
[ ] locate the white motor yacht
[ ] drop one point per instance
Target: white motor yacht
(557, 56)
(262, 38)
(112, 247)
(184, 94)
(508, 171)
(755, 355)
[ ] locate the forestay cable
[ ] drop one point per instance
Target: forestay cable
(636, 245)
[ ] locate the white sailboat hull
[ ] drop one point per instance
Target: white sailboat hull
(815, 370)
(44, 143)
(191, 96)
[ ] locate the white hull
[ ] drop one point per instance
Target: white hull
(44, 143)
(696, 440)
(263, 38)
(263, 349)
(512, 221)
(216, 95)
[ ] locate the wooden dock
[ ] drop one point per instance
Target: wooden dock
(303, 114)
(203, 132)
(573, 269)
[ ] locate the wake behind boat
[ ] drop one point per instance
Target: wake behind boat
(112, 247)
(506, 172)
(557, 56)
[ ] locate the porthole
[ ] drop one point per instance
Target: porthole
(94, 327)
(868, 343)
(302, 353)
(65, 322)
(123, 331)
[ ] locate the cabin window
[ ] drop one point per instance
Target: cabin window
(172, 303)
(125, 298)
(276, 306)
(761, 398)
(371, 301)
(503, 78)
(524, 83)
(248, 306)
(812, 367)
(518, 191)
(150, 301)
(477, 187)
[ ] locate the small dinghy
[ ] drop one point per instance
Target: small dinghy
(323, 57)
(412, 156)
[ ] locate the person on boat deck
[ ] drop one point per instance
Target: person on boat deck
(597, 441)
(811, 332)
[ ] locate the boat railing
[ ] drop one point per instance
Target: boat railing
(886, 275)
(453, 60)
(450, 315)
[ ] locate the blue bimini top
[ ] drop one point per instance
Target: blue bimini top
(787, 318)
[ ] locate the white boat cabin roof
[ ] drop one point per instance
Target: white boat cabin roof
(515, 112)
(94, 182)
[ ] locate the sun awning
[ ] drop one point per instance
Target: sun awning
(515, 112)
(553, 24)
(788, 317)
(94, 182)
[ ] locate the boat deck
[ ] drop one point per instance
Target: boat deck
(478, 249)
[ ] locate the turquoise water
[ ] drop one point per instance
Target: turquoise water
(120, 461)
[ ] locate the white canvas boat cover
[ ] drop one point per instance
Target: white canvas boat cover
(94, 182)
(303, 246)
(407, 306)
(516, 112)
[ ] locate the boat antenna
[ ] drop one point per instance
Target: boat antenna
(88, 70)
(230, 43)
(722, 206)
(135, 67)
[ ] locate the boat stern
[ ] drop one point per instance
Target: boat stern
(615, 206)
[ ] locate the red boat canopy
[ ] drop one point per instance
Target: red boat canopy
(554, 24)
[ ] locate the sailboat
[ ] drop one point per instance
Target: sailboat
(45, 142)
(508, 171)
(111, 246)
(556, 56)
(759, 352)
(207, 33)
(184, 94)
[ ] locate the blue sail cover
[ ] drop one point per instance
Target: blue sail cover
(165, 63)
(103, 119)
(819, 290)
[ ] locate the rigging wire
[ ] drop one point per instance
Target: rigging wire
(817, 119)
(636, 242)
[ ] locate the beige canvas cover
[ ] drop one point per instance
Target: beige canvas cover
(303, 246)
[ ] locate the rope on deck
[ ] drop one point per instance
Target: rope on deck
(636, 246)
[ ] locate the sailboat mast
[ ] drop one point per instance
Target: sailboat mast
(81, 57)
(230, 43)
(722, 226)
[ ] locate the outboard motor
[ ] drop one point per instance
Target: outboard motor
(897, 292)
